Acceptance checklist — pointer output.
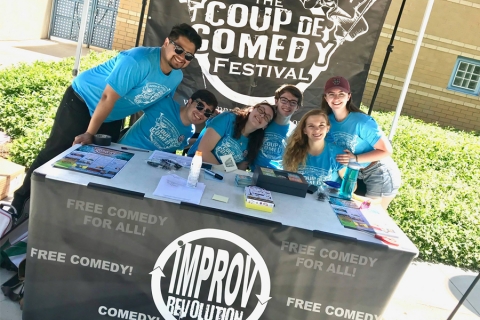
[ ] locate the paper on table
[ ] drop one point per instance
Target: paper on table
(158, 155)
(175, 187)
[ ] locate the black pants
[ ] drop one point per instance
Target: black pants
(72, 119)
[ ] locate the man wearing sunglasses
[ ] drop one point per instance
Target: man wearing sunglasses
(288, 99)
(100, 98)
(166, 126)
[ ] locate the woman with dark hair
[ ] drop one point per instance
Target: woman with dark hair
(361, 138)
(238, 132)
(308, 153)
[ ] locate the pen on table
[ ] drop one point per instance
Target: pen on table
(216, 175)
(134, 149)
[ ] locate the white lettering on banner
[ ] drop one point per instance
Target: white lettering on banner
(303, 304)
(124, 314)
(115, 212)
(191, 265)
(298, 248)
(101, 264)
(228, 277)
(259, 70)
(263, 33)
(136, 216)
(350, 314)
(105, 223)
(56, 256)
(347, 257)
(84, 206)
(194, 309)
(48, 255)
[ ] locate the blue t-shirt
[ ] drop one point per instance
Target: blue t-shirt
(135, 75)
(323, 167)
(273, 147)
(160, 128)
(223, 124)
(358, 133)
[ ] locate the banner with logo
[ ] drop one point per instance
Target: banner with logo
(252, 47)
(101, 255)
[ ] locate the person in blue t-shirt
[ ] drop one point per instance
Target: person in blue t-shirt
(288, 100)
(166, 126)
(238, 132)
(99, 98)
(361, 138)
(308, 153)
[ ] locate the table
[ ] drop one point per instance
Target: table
(108, 248)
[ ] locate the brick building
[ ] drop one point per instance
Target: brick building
(445, 84)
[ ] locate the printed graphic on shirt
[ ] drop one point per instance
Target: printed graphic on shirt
(273, 146)
(151, 92)
(315, 175)
(345, 140)
(164, 135)
(229, 146)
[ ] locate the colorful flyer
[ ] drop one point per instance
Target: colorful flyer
(91, 159)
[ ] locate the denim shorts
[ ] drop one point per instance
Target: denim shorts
(383, 179)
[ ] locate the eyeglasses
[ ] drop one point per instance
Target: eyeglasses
(261, 110)
(292, 103)
(200, 106)
(179, 50)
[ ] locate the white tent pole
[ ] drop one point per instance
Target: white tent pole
(418, 44)
(81, 35)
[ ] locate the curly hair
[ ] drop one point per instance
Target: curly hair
(297, 145)
(255, 139)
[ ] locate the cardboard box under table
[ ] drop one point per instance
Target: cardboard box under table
(280, 181)
(101, 247)
(11, 177)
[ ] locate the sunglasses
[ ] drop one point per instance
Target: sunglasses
(179, 50)
(200, 106)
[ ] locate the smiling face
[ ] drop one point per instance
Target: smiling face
(337, 99)
(261, 116)
(316, 127)
(286, 104)
(173, 59)
(196, 116)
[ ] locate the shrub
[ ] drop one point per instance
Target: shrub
(438, 202)
(29, 97)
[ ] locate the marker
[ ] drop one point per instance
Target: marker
(216, 175)
(134, 149)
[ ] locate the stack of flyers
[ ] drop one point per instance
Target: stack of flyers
(242, 180)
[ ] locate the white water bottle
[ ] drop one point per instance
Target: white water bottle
(195, 169)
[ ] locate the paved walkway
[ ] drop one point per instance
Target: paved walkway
(28, 51)
(426, 292)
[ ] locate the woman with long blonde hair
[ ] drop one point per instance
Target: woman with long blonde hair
(308, 153)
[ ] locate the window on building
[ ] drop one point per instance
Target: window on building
(466, 76)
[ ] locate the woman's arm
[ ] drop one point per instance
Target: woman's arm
(383, 149)
(207, 144)
(103, 109)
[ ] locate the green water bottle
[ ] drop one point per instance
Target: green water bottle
(349, 180)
